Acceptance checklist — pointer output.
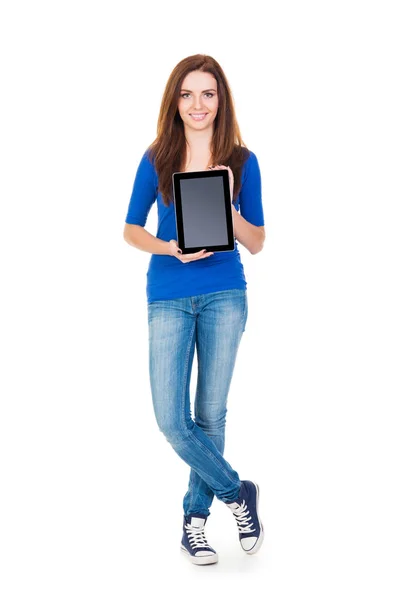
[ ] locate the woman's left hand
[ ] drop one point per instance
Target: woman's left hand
(231, 179)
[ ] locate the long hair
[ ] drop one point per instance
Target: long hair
(168, 151)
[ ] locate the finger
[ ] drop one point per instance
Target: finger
(194, 255)
(199, 254)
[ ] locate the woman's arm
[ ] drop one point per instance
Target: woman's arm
(250, 236)
(137, 236)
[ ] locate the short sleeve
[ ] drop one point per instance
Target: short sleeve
(250, 195)
(144, 192)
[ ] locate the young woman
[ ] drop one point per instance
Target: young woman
(198, 299)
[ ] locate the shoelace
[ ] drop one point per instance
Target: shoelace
(243, 521)
(196, 535)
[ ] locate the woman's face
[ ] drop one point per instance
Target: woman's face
(198, 96)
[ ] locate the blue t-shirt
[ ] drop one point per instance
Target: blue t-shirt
(167, 276)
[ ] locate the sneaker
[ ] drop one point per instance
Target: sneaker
(245, 511)
(194, 544)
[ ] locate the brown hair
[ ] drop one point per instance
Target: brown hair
(227, 147)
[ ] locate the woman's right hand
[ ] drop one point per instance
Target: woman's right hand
(185, 258)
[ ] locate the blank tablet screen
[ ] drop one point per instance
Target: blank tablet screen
(203, 210)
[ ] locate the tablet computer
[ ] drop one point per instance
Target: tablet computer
(203, 211)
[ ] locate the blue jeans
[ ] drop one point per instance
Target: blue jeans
(214, 322)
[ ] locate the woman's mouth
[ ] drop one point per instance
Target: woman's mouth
(198, 116)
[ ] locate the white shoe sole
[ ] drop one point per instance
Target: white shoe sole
(200, 560)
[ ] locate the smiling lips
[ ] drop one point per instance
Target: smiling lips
(198, 116)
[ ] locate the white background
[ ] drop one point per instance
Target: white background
(91, 500)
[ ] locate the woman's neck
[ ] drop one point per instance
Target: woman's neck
(198, 143)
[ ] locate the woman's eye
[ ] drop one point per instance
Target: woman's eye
(207, 94)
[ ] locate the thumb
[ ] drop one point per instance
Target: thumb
(174, 243)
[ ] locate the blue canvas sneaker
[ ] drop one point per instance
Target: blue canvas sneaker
(245, 511)
(194, 544)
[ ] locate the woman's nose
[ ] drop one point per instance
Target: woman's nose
(197, 104)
